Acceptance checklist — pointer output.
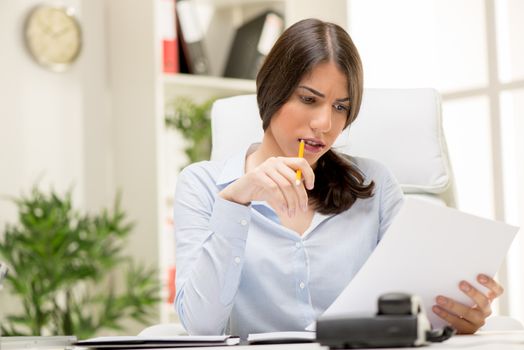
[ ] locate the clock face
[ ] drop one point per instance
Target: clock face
(53, 37)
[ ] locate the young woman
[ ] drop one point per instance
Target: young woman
(258, 251)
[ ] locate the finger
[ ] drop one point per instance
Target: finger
(472, 315)
(481, 301)
(273, 195)
(303, 165)
(460, 324)
(287, 188)
(496, 289)
(277, 182)
(300, 192)
(302, 197)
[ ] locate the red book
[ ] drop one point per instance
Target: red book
(171, 288)
(168, 36)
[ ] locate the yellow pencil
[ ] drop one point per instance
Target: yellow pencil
(300, 155)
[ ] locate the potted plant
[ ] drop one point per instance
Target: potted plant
(193, 121)
(61, 263)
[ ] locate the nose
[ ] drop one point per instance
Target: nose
(321, 121)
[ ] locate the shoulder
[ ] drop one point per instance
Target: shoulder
(201, 177)
(204, 170)
(372, 169)
(196, 185)
(387, 188)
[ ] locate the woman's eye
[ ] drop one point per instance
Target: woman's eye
(307, 99)
(341, 108)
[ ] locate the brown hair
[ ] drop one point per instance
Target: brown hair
(338, 183)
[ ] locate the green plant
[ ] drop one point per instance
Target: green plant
(61, 264)
(194, 123)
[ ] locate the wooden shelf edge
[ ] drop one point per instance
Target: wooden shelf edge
(229, 3)
(178, 81)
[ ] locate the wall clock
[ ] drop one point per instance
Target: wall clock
(53, 36)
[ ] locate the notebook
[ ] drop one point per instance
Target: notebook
(136, 342)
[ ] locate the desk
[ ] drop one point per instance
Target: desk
(509, 340)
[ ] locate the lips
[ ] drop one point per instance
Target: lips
(312, 145)
(313, 142)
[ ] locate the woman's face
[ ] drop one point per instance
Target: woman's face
(316, 112)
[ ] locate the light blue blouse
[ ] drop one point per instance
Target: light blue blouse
(240, 271)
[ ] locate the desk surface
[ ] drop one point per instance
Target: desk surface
(509, 340)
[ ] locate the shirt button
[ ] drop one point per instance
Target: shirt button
(237, 260)
(302, 285)
(297, 244)
(243, 222)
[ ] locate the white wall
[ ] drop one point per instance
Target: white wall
(97, 121)
(54, 127)
(40, 116)
(94, 126)
(136, 104)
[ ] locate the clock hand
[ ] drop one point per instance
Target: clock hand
(60, 32)
(46, 28)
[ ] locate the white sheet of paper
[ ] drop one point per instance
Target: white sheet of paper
(427, 251)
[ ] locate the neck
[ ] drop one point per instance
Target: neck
(268, 148)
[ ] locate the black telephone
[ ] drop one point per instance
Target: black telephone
(399, 322)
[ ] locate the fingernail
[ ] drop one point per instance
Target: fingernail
(465, 287)
(441, 300)
(483, 279)
(436, 310)
(297, 182)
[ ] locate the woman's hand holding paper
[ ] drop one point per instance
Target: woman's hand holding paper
(466, 319)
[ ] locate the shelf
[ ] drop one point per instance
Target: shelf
(199, 86)
(229, 3)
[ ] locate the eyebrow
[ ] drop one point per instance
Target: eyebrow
(318, 93)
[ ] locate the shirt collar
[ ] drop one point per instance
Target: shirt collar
(234, 167)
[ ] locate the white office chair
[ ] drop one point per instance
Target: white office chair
(401, 128)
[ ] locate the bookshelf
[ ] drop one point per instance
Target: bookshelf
(147, 156)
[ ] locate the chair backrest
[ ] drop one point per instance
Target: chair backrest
(401, 128)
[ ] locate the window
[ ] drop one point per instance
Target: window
(473, 53)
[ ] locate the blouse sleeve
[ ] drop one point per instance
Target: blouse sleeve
(391, 200)
(210, 236)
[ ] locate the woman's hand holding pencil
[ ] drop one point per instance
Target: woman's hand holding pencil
(298, 177)
(276, 181)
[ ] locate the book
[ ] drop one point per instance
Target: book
(137, 342)
(252, 42)
(168, 33)
(281, 337)
(191, 38)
